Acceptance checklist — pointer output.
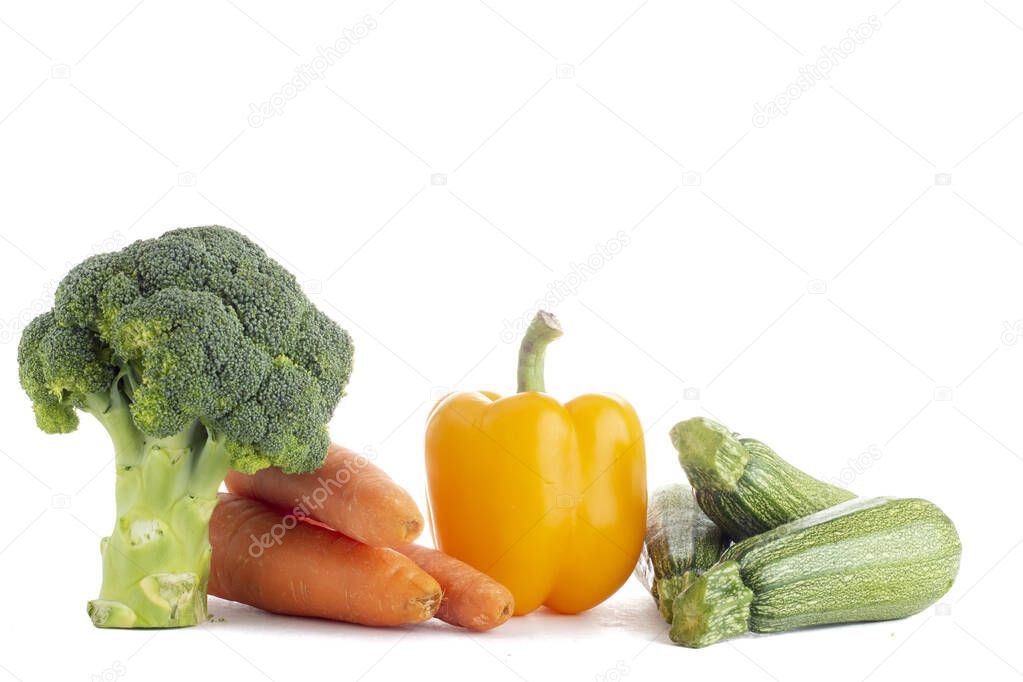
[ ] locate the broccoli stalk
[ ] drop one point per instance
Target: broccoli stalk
(197, 353)
(156, 561)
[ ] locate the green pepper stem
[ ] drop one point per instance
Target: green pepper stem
(542, 330)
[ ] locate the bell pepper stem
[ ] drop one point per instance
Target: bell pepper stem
(542, 330)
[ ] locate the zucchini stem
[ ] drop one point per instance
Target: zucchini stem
(716, 606)
(710, 454)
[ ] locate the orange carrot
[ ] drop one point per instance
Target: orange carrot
(472, 599)
(282, 565)
(348, 493)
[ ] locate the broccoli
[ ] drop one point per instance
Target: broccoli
(198, 353)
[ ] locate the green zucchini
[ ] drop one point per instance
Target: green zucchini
(742, 484)
(679, 539)
(867, 559)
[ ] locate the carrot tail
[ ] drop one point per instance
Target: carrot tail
(472, 599)
(281, 565)
(348, 493)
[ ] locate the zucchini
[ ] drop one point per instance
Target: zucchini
(867, 559)
(679, 538)
(742, 484)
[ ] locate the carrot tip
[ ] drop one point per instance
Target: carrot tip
(429, 605)
(413, 527)
(503, 616)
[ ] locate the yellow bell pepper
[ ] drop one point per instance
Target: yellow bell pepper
(548, 499)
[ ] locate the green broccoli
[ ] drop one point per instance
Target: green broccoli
(198, 353)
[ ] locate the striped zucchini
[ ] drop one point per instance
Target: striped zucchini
(679, 538)
(867, 559)
(742, 484)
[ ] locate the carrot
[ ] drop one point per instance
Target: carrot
(348, 493)
(285, 566)
(472, 599)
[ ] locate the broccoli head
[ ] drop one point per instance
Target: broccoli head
(198, 353)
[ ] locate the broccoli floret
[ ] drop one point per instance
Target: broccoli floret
(198, 353)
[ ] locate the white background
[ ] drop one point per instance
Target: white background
(815, 282)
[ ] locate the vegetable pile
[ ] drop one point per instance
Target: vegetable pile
(207, 365)
(807, 553)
